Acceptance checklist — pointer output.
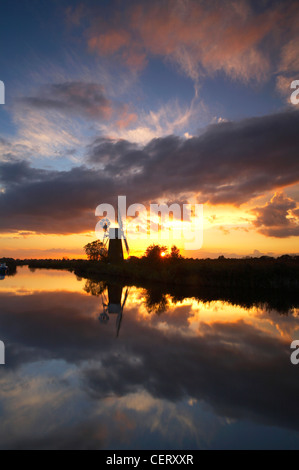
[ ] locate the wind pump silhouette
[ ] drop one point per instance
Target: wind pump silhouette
(114, 235)
(113, 305)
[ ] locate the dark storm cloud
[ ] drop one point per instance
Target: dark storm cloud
(74, 98)
(278, 218)
(233, 367)
(118, 157)
(51, 201)
(86, 436)
(16, 172)
(230, 162)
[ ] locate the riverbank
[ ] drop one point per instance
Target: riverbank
(247, 282)
(262, 272)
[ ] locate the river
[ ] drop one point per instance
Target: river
(96, 366)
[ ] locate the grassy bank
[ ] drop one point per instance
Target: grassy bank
(278, 273)
(246, 282)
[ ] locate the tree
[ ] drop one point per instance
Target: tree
(95, 288)
(96, 251)
(155, 253)
(156, 301)
(175, 253)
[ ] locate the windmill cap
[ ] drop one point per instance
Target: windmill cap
(114, 233)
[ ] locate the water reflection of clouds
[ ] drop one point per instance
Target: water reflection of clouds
(40, 280)
(189, 314)
(176, 379)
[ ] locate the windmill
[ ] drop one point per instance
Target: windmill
(113, 305)
(114, 236)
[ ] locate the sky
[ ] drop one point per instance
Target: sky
(169, 101)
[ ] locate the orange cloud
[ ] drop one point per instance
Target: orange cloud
(201, 38)
(121, 42)
(110, 42)
(126, 120)
(278, 218)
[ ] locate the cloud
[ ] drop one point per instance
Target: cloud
(13, 150)
(289, 61)
(230, 162)
(278, 218)
(17, 172)
(227, 229)
(53, 201)
(200, 37)
(72, 98)
(283, 85)
(110, 153)
(60, 116)
(170, 118)
(126, 118)
(44, 133)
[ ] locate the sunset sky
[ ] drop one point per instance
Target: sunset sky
(162, 101)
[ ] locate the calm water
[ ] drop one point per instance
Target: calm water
(82, 373)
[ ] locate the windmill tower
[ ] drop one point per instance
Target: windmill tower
(114, 236)
(113, 305)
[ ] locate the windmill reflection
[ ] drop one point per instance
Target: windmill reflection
(113, 303)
